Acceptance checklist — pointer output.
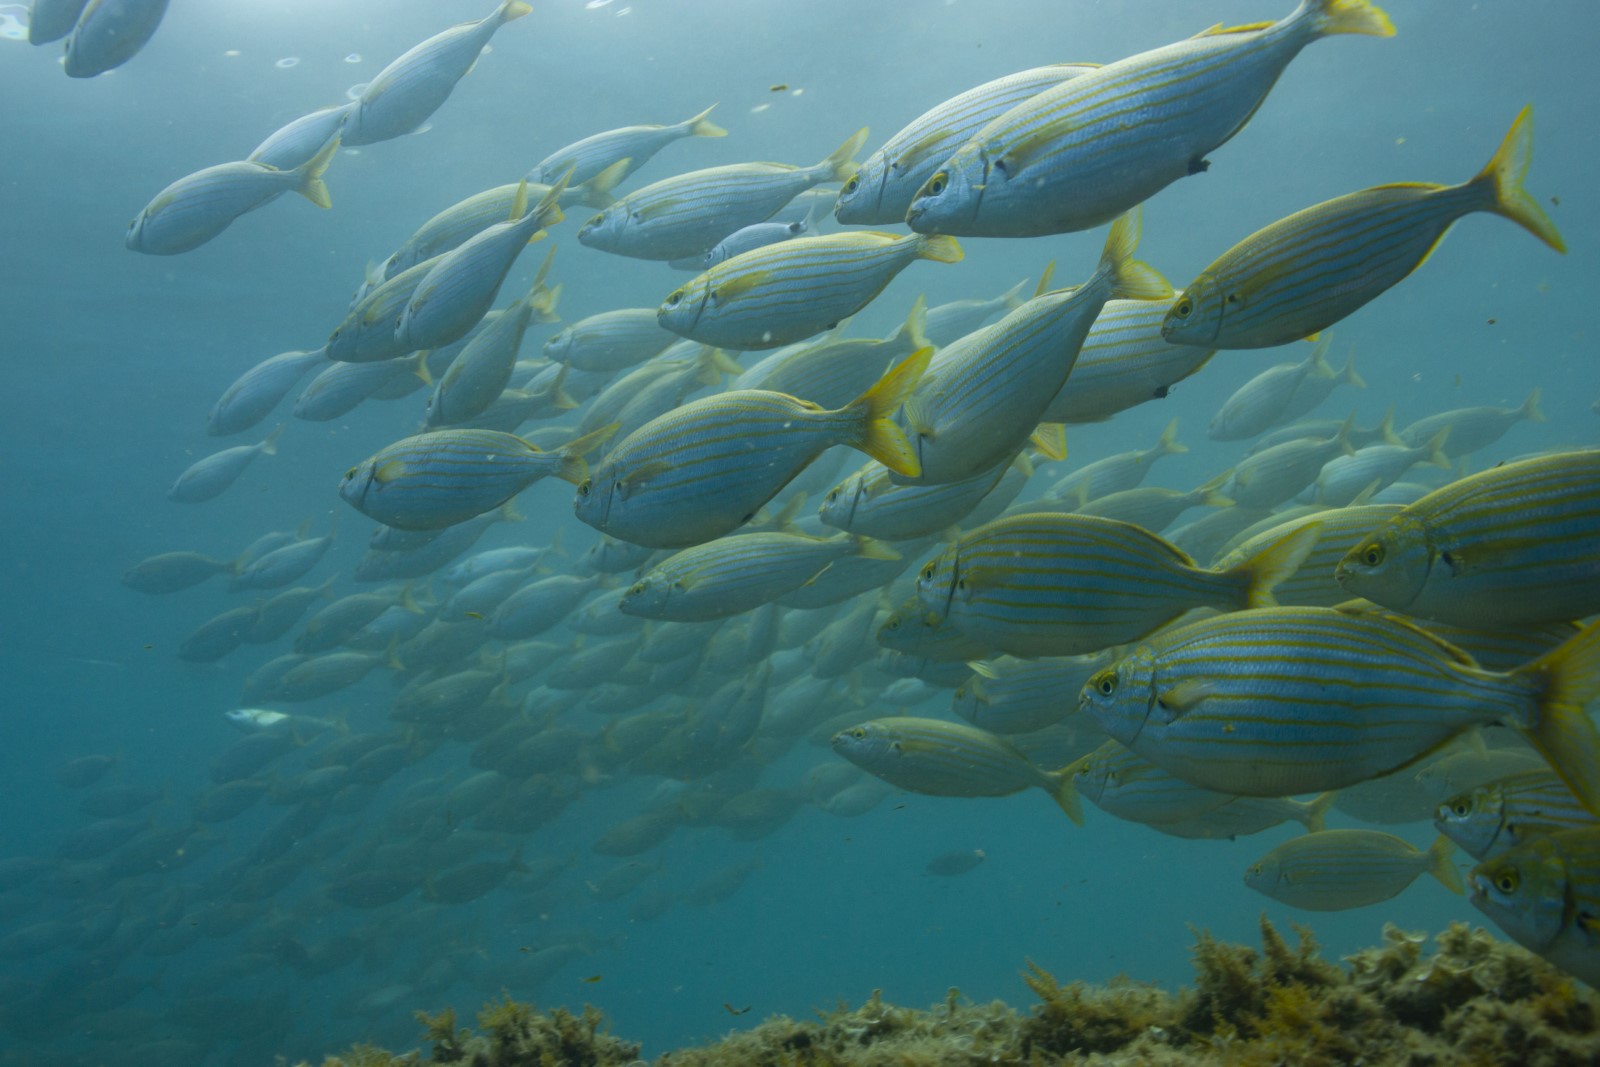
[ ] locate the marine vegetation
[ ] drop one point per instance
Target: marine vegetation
(1473, 1000)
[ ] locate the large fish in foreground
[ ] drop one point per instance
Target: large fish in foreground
(1546, 895)
(1084, 152)
(706, 468)
(1304, 273)
(1283, 701)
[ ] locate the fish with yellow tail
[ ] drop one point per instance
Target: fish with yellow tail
(1493, 819)
(1304, 273)
(1082, 153)
(785, 292)
(704, 469)
(1545, 895)
(1334, 870)
(1284, 701)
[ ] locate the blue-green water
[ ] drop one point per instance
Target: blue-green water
(115, 359)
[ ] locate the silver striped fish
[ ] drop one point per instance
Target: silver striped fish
(1335, 870)
(1118, 473)
(706, 468)
(1019, 696)
(913, 630)
(830, 370)
(258, 390)
(342, 386)
(1312, 584)
(442, 478)
(1512, 545)
(882, 190)
(1064, 585)
(986, 393)
(367, 334)
(610, 341)
(479, 375)
(1497, 817)
(687, 214)
(1368, 470)
(774, 295)
(1305, 272)
(1282, 701)
(1474, 429)
(871, 504)
(1123, 363)
(948, 759)
(1127, 786)
(732, 575)
(1263, 402)
(1084, 152)
(631, 146)
(411, 88)
(1546, 895)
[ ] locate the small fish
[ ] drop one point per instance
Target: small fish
(1127, 786)
(288, 563)
(1124, 362)
(406, 92)
(632, 146)
(1066, 585)
(1376, 467)
(871, 504)
(460, 287)
(1545, 894)
(610, 341)
(706, 468)
(258, 390)
(686, 215)
(1018, 696)
(1274, 475)
(1155, 508)
(294, 144)
(947, 759)
(108, 33)
(1081, 153)
(172, 572)
(341, 387)
(778, 294)
(1304, 273)
(1115, 474)
(1311, 584)
(1494, 818)
(51, 20)
(1264, 401)
(446, 477)
(479, 375)
(882, 190)
(1509, 546)
(199, 206)
(1335, 870)
(1283, 701)
(210, 477)
(757, 235)
(950, 864)
(1473, 429)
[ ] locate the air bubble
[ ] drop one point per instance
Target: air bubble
(355, 91)
(287, 62)
(596, 5)
(353, 57)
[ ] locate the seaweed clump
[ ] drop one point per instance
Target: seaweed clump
(1474, 1000)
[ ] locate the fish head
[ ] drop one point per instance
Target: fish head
(1474, 819)
(1392, 565)
(1264, 875)
(1195, 317)
(604, 230)
(970, 700)
(869, 745)
(357, 482)
(682, 308)
(861, 197)
(592, 501)
(647, 598)
(559, 345)
(1524, 891)
(909, 629)
(939, 580)
(951, 199)
(135, 239)
(1094, 776)
(839, 506)
(1119, 697)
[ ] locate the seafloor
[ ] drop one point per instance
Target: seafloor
(1472, 1000)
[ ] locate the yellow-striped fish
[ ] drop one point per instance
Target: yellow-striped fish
(913, 630)
(1312, 584)
(1123, 363)
(1497, 817)
(1509, 546)
(1091, 148)
(687, 214)
(881, 191)
(1304, 273)
(1335, 870)
(438, 479)
(871, 504)
(949, 759)
(1127, 786)
(1545, 894)
(1019, 696)
(706, 468)
(781, 293)
(1063, 585)
(986, 393)
(1282, 701)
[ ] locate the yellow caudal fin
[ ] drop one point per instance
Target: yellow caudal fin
(1049, 439)
(419, 366)
(1564, 680)
(940, 249)
(596, 192)
(1210, 494)
(912, 333)
(1313, 815)
(1386, 429)
(1046, 276)
(1131, 279)
(1065, 791)
(867, 548)
(513, 9)
(1169, 445)
(1261, 573)
(840, 165)
(549, 209)
(1318, 360)
(1504, 174)
(1435, 447)
(544, 305)
(702, 126)
(1441, 864)
(270, 445)
(311, 171)
(519, 201)
(1349, 375)
(1349, 16)
(878, 436)
(1530, 407)
(1012, 298)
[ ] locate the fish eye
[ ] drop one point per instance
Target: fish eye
(672, 300)
(1106, 684)
(597, 220)
(892, 623)
(858, 732)
(1506, 881)
(351, 473)
(583, 490)
(1372, 555)
(937, 183)
(832, 496)
(1460, 809)
(851, 186)
(927, 573)
(1184, 309)
(636, 589)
